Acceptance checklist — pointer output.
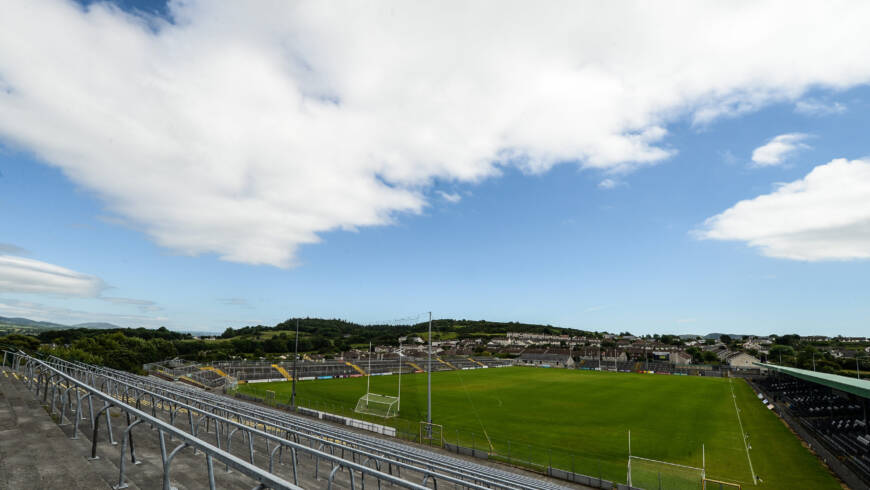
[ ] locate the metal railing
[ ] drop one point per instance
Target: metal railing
(428, 466)
(279, 430)
(41, 377)
(66, 387)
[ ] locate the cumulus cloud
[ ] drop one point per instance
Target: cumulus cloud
(816, 107)
(21, 275)
(246, 129)
(824, 216)
(778, 149)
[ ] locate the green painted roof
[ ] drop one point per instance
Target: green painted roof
(860, 387)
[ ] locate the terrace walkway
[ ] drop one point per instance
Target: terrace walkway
(34, 451)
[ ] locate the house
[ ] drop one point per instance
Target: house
(740, 360)
(680, 358)
(546, 360)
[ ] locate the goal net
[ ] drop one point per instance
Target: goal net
(661, 475)
(378, 405)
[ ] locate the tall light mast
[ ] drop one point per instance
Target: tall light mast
(429, 380)
(295, 359)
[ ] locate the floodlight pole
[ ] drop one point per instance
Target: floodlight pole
(399, 402)
(814, 361)
(857, 366)
(295, 360)
(369, 376)
(429, 379)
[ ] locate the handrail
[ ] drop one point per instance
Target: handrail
(265, 478)
(254, 431)
(323, 440)
(430, 468)
(390, 453)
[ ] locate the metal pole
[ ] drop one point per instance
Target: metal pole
(857, 366)
(295, 360)
(814, 361)
(429, 380)
(399, 401)
(369, 376)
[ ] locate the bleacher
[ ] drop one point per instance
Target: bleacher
(494, 361)
(837, 419)
(253, 371)
(176, 427)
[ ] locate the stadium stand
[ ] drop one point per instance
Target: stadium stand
(837, 419)
(197, 434)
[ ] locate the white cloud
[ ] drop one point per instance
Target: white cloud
(824, 216)
(246, 129)
(778, 149)
(450, 197)
(29, 276)
(21, 275)
(608, 184)
(816, 107)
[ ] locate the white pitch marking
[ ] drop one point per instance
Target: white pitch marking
(742, 434)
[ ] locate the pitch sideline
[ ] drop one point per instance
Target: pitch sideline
(742, 434)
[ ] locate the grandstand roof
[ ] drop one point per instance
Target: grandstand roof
(860, 387)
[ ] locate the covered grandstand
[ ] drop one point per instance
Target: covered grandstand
(828, 411)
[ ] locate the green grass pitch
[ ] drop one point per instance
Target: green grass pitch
(585, 416)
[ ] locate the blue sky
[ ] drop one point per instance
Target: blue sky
(614, 242)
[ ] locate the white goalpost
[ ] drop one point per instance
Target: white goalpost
(376, 404)
(654, 474)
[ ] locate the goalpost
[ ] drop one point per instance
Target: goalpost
(376, 404)
(653, 474)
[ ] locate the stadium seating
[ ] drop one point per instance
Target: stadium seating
(322, 455)
(836, 419)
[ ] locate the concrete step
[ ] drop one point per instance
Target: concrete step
(64, 463)
(34, 451)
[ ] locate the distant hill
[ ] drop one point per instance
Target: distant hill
(96, 325)
(715, 336)
(26, 324)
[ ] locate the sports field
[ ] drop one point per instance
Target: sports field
(585, 416)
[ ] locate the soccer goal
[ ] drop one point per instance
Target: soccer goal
(378, 405)
(652, 474)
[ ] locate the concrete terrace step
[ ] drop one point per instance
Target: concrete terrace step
(49, 459)
(34, 451)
